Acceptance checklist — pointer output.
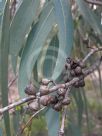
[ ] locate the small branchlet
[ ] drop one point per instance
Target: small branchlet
(37, 101)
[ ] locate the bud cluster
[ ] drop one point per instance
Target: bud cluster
(75, 67)
(59, 99)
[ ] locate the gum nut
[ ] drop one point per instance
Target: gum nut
(74, 65)
(43, 90)
(54, 100)
(45, 81)
(58, 107)
(72, 72)
(78, 70)
(66, 101)
(44, 100)
(34, 105)
(65, 78)
(30, 90)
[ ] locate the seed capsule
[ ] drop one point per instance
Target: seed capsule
(45, 81)
(53, 100)
(78, 70)
(58, 106)
(43, 90)
(34, 106)
(74, 64)
(30, 90)
(65, 78)
(66, 101)
(45, 100)
(72, 72)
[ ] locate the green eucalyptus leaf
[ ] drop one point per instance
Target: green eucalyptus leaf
(52, 118)
(75, 131)
(86, 109)
(35, 45)
(80, 104)
(65, 35)
(24, 56)
(20, 25)
(51, 57)
(48, 56)
(1, 134)
(16, 121)
(4, 51)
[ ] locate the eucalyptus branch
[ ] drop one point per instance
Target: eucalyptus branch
(24, 100)
(46, 91)
(93, 50)
(61, 132)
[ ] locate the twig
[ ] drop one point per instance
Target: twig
(30, 120)
(24, 100)
(61, 132)
(54, 88)
(93, 50)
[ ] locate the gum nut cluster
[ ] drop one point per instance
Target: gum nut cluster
(75, 67)
(56, 101)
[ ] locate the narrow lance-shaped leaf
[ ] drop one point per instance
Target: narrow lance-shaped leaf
(53, 122)
(4, 51)
(48, 56)
(22, 70)
(65, 35)
(74, 129)
(20, 25)
(86, 110)
(80, 104)
(34, 46)
(32, 51)
(1, 134)
(51, 57)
